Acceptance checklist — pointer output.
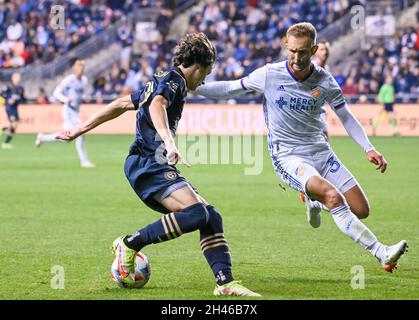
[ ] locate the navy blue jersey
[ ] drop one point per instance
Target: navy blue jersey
(14, 95)
(171, 85)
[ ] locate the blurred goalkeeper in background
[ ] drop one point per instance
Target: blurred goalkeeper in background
(294, 93)
(386, 97)
(151, 166)
(12, 95)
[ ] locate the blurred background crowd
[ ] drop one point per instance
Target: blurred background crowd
(247, 34)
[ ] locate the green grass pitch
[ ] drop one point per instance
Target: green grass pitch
(52, 213)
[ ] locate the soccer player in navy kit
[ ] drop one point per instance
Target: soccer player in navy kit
(150, 166)
(13, 95)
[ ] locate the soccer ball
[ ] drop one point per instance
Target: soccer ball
(142, 272)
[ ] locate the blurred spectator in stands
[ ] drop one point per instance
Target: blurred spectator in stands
(417, 37)
(363, 86)
(14, 30)
(211, 12)
(48, 54)
(42, 98)
(242, 51)
(253, 15)
(231, 12)
(409, 38)
(229, 50)
(108, 93)
(349, 88)
(125, 37)
(99, 82)
(163, 22)
(212, 33)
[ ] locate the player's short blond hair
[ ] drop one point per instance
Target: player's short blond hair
(303, 29)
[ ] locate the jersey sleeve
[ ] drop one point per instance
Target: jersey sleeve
(256, 80)
(335, 96)
(60, 92)
(135, 98)
(169, 86)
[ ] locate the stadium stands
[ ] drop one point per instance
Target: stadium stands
(247, 35)
(26, 36)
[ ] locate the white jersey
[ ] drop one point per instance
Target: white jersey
(71, 91)
(292, 108)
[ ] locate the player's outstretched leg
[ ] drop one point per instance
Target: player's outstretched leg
(349, 224)
(47, 137)
(215, 249)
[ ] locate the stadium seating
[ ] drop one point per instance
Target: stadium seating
(26, 36)
(247, 35)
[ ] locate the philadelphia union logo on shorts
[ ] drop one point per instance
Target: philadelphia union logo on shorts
(170, 175)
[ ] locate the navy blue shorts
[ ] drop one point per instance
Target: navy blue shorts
(148, 178)
(12, 113)
(388, 107)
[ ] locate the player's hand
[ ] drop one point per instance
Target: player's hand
(70, 134)
(377, 159)
(173, 157)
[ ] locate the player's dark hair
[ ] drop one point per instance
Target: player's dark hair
(74, 60)
(194, 48)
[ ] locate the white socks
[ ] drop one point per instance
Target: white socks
(349, 224)
(81, 150)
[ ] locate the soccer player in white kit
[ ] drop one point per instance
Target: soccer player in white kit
(70, 92)
(294, 92)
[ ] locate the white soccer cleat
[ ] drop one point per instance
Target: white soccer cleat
(313, 211)
(87, 164)
(234, 288)
(392, 255)
(38, 140)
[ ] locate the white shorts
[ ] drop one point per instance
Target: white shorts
(71, 117)
(296, 169)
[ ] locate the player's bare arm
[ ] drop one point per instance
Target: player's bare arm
(160, 121)
(377, 159)
(109, 112)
